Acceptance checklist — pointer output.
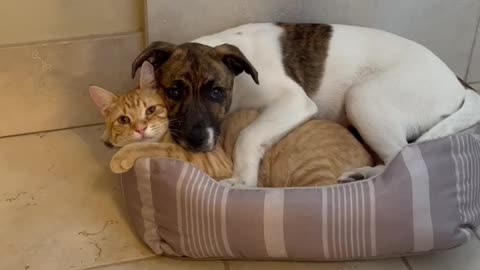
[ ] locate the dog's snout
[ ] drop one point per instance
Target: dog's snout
(197, 136)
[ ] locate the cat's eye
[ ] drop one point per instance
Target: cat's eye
(174, 93)
(123, 120)
(217, 94)
(150, 110)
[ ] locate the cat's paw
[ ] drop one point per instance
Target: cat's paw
(360, 174)
(120, 164)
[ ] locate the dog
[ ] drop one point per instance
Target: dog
(391, 89)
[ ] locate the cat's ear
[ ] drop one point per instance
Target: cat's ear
(102, 98)
(147, 76)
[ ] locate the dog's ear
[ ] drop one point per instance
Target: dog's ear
(156, 53)
(234, 59)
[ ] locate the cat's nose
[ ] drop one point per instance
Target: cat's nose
(141, 130)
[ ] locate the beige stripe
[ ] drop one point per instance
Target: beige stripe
(181, 179)
(148, 211)
(224, 222)
(373, 222)
(422, 218)
(273, 224)
(325, 233)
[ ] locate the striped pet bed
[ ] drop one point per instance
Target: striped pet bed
(427, 199)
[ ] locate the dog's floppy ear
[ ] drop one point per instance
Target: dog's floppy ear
(156, 53)
(234, 59)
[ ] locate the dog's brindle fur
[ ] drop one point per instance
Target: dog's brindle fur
(195, 70)
(304, 48)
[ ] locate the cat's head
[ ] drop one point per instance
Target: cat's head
(137, 116)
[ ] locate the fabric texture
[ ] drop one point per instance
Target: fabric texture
(428, 198)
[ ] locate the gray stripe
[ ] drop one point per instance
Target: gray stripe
(224, 222)
(373, 221)
(422, 219)
(148, 211)
(179, 207)
(325, 224)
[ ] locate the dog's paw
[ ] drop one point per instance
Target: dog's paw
(360, 174)
(234, 182)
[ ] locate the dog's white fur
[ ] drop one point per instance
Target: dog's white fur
(390, 88)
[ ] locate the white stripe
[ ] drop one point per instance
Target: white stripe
(273, 225)
(181, 179)
(422, 218)
(224, 222)
(373, 221)
(187, 215)
(144, 188)
(325, 223)
(362, 196)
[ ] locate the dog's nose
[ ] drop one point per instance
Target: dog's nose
(196, 139)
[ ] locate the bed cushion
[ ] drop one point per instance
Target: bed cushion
(427, 199)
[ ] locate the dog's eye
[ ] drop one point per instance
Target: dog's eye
(174, 93)
(217, 94)
(123, 120)
(150, 110)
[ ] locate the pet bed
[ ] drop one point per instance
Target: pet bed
(427, 199)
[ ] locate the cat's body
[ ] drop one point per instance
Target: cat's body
(316, 153)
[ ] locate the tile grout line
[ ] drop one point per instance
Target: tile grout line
(472, 49)
(407, 263)
(72, 39)
(49, 130)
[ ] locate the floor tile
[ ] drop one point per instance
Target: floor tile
(466, 257)
(391, 264)
(60, 207)
(45, 86)
(162, 263)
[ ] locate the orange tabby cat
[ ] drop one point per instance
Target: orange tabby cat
(316, 153)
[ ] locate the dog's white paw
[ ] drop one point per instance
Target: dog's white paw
(360, 174)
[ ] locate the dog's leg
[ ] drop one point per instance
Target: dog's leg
(381, 126)
(287, 112)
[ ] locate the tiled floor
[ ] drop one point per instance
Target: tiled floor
(60, 208)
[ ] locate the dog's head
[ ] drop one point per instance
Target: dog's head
(196, 82)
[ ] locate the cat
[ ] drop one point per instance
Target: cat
(317, 153)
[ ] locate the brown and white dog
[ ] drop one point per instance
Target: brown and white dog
(392, 90)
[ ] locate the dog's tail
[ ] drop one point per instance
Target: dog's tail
(467, 116)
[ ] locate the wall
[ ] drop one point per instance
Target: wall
(447, 27)
(52, 50)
